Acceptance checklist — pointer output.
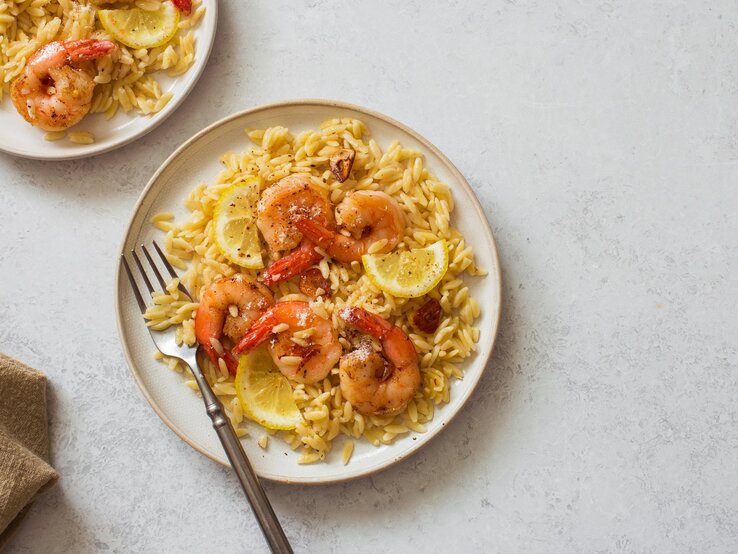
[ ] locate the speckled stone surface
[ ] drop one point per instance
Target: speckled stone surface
(602, 140)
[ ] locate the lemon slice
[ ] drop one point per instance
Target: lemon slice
(137, 28)
(264, 393)
(234, 224)
(410, 273)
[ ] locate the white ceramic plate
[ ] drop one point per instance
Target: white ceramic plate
(22, 139)
(197, 161)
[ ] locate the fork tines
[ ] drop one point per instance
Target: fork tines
(144, 276)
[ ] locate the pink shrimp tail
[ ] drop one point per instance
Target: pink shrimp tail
(230, 360)
(258, 333)
(231, 363)
(89, 49)
(315, 231)
(292, 264)
(366, 322)
(62, 52)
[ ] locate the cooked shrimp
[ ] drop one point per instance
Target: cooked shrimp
(293, 263)
(51, 92)
(376, 384)
(215, 316)
(313, 284)
(281, 203)
(370, 216)
(305, 359)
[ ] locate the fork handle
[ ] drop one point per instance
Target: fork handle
(255, 494)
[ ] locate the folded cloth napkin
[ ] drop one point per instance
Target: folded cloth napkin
(24, 442)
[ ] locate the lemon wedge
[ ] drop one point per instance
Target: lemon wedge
(409, 273)
(264, 393)
(234, 224)
(137, 28)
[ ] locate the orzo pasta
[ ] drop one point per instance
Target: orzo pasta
(426, 205)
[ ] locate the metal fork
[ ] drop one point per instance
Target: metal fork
(167, 345)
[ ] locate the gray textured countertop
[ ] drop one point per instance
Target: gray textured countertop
(602, 140)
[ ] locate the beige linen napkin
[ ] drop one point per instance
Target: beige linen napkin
(24, 442)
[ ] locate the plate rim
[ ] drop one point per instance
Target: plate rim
(155, 121)
(306, 102)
